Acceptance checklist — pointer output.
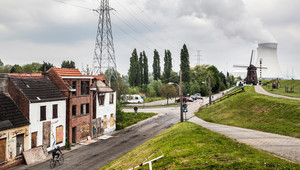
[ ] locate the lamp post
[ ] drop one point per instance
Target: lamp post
(209, 87)
(180, 94)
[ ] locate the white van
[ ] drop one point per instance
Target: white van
(132, 98)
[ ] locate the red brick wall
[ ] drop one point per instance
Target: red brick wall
(18, 98)
(59, 83)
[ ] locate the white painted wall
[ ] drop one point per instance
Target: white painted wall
(37, 126)
(107, 109)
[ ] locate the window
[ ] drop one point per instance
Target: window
(111, 98)
(84, 109)
(74, 85)
(54, 111)
(101, 99)
(85, 88)
(74, 110)
(43, 113)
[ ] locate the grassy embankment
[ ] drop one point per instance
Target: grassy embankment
(256, 111)
(127, 119)
(189, 146)
(282, 85)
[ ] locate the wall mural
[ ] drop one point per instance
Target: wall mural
(84, 131)
(112, 120)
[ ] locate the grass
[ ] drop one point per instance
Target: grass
(256, 111)
(282, 85)
(189, 146)
(127, 119)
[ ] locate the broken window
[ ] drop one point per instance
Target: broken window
(74, 110)
(111, 98)
(85, 88)
(54, 111)
(74, 85)
(43, 113)
(84, 109)
(101, 98)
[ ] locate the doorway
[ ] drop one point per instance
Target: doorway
(2, 149)
(73, 134)
(20, 144)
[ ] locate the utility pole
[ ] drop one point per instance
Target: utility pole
(209, 87)
(180, 90)
(104, 53)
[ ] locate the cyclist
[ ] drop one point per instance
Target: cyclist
(56, 152)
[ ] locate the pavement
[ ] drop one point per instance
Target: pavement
(261, 90)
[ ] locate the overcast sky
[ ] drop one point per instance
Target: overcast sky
(223, 31)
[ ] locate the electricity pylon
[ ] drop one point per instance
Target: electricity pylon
(104, 53)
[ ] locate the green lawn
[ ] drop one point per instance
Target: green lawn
(189, 146)
(152, 99)
(256, 111)
(142, 106)
(282, 85)
(127, 119)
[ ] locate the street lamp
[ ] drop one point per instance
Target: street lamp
(180, 94)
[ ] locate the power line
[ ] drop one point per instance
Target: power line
(78, 6)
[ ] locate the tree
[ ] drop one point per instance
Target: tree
(168, 91)
(185, 64)
(1, 63)
(32, 68)
(146, 70)
(68, 64)
(16, 69)
(117, 83)
(134, 70)
(156, 65)
(156, 85)
(215, 79)
(45, 65)
(141, 61)
(167, 66)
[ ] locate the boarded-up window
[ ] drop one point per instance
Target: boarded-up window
(43, 113)
(33, 139)
(101, 98)
(85, 88)
(46, 133)
(74, 110)
(54, 111)
(59, 134)
(111, 98)
(84, 131)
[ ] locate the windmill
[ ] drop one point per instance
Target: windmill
(251, 72)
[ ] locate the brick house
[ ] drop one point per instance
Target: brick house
(14, 132)
(45, 107)
(76, 88)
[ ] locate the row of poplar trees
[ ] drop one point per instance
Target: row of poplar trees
(138, 71)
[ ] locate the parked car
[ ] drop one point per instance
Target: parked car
(131, 98)
(184, 99)
(194, 97)
(198, 96)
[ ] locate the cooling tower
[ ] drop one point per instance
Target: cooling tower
(267, 53)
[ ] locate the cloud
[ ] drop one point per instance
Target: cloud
(228, 16)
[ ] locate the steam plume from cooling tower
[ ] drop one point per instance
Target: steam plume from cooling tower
(229, 16)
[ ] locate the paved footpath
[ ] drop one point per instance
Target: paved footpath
(261, 90)
(283, 146)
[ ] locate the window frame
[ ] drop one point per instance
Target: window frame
(43, 113)
(54, 111)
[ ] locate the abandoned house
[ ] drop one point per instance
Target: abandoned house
(104, 106)
(45, 107)
(14, 132)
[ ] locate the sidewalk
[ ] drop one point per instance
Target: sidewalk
(261, 90)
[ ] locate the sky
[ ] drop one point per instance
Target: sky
(217, 32)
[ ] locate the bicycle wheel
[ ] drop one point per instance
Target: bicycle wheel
(52, 163)
(61, 160)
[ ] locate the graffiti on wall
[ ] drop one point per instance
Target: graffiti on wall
(84, 131)
(17, 132)
(59, 134)
(99, 127)
(2, 135)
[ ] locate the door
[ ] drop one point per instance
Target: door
(20, 144)
(2, 149)
(46, 133)
(73, 134)
(33, 139)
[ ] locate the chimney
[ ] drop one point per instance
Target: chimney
(4, 83)
(45, 72)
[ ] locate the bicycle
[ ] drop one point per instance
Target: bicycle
(55, 160)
